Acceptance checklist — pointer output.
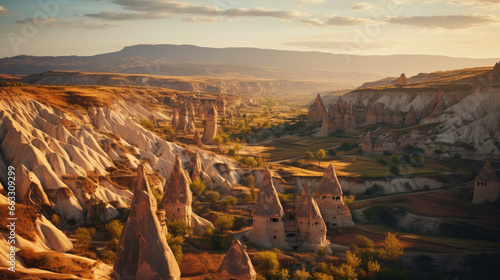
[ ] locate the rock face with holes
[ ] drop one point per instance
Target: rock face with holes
(486, 185)
(177, 200)
(316, 112)
(236, 264)
(328, 195)
(268, 217)
(312, 228)
(143, 252)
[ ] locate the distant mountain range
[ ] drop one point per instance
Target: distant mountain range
(248, 63)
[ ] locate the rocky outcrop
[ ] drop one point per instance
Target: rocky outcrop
(486, 185)
(328, 195)
(455, 100)
(143, 252)
(177, 200)
(268, 229)
(366, 143)
(411, 117)
(397, 117)
(316, 112)
(220, 105)
(312, 228)
(236, 264)
(402, 80)
(210, 125)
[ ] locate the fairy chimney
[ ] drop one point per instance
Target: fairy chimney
(178, 197)
(316, 112)
(236, 264)
(220, 103)
(486, 185)
(402, 80)
(411, 118)
(455, 100)
(210, 125)
(328, 195)
(183, 118)
(268, 225)
(312, 228)
(143, 252)
(366, 143)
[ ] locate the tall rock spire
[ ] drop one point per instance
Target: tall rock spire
(316, 112)
(143, 252)
(177, 187)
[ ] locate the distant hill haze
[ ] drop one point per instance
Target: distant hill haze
(340, 70)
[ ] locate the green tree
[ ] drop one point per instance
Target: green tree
(114, 229)
(320, 154)
(178, 228)
(301, 274)
(266, 263)
(321, 276)
(212, 196)
(332, 152)
(197, 186)
(84, 235)
(393, 248)
(224, 221)
(309, 155)
(229, 202)
(175, 243)
(55, 219)
(394, 170)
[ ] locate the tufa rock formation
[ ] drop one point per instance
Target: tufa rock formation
(366, 143)
(402, 80)
(183, 118)
(236, 264)
(411, 117)
(312, 228)
(455, 100)
(198, 170)
(177, 200)
(486, 185)
(268, 225)
(210, 125)
(331, 204)
(316, 112)
(143, 252)
(220, 104)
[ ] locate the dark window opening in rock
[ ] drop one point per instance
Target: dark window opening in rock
(274, 220)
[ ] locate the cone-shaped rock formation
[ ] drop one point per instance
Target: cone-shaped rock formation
(236, 264)
(143, 252)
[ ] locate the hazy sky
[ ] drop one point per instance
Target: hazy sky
(465, 28)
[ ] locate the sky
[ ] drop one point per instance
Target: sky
(460, 28)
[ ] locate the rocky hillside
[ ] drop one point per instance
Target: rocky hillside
(453, 113)
(189, 84)
(66, 156)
